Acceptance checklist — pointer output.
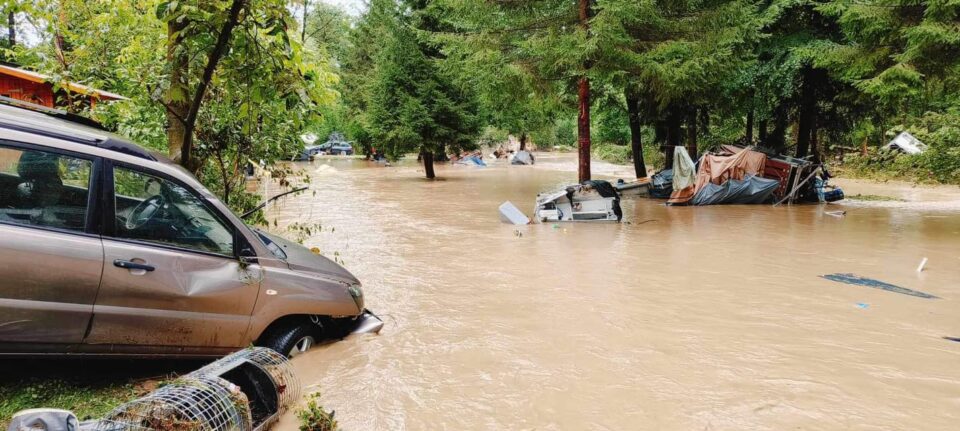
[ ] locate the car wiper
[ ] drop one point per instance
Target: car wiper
(259, 207)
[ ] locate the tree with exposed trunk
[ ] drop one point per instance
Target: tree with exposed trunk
(12, 28)
(635, 123)
(183, 105)
(415, 106)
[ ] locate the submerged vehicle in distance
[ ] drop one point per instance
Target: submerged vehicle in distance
(111, 249)
(308, 153)
(336, 144)
(589, 201)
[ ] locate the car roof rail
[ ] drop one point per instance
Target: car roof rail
(108, 141)
(53, 112)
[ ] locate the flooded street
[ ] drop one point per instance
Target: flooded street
(685, 318)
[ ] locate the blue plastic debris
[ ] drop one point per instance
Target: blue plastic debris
(857, 280)
(863, 305)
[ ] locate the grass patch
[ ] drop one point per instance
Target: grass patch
(85, 400)
(875, 198)
(88, 388)
(623, 155)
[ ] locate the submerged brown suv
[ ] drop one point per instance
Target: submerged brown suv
(107, 248)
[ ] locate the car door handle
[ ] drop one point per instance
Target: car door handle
(132, 265)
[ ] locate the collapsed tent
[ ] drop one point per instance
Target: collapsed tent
(472, 161)
(522, 157)
(733, 177)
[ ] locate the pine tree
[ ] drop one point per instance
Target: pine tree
(547, 41)
(413, 105)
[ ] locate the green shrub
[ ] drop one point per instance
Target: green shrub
(314, 417)
(623, 154)
(939, 164)
(618, 154)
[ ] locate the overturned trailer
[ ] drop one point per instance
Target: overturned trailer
(589, 201)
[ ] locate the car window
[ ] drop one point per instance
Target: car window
(39, 188)
(150, 208)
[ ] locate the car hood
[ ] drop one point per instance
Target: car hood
(299, 258)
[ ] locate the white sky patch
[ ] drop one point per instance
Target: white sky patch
(352, 7)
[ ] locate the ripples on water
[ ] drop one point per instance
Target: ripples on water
(705, 318)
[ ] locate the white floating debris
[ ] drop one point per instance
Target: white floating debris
(923, 263)
(509, 213)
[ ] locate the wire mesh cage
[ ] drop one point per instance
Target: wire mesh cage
(247, 390)
(277, 366)
(193, 403)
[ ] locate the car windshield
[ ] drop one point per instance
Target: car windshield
(269, 243)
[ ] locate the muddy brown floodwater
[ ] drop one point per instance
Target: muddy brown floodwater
(711, 318)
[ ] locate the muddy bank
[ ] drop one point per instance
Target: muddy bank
(703, 318)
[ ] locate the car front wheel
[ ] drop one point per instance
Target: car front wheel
(290, 340)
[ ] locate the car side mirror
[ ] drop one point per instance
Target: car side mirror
(246, 253)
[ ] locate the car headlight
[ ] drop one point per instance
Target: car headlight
(357, 294)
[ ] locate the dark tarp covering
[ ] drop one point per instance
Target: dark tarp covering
(752, 190)
(661, 184)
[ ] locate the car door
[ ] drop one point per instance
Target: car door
(51, 257)
(171, 276)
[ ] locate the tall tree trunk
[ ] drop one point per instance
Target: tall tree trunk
(777, 136)
(523, 141)
(749, 137)
(428, 164)
(692, 133)
(177, 104)
(762, 131)
(807, 115)
(303, 28)
(219, 50)
(674, 136)
(583, 130)
(441, 155)
(12, 28)
(636, 145)
(583, 96)
(815, 139)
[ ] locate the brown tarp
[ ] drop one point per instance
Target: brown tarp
(717, 169)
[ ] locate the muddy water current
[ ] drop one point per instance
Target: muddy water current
(681, 318)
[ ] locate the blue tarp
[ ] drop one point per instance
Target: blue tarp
(752, 190)
(472, 161)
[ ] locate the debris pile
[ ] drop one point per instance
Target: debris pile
(737, 175)
(589, 201)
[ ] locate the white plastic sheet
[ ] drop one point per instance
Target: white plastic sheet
(684, 171)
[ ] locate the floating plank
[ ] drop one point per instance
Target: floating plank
(857, 280)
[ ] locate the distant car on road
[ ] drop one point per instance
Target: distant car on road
(337, 145)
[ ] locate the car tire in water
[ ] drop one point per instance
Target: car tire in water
(291, 340)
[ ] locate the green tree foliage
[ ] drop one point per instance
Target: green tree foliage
(414, 106)
(264, 92)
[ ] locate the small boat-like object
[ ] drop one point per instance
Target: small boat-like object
(590, 201)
